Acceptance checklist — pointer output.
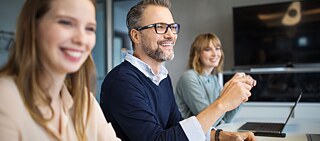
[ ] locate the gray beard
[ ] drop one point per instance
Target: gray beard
(157, 54)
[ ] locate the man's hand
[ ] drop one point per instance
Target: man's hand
(233, 136)
(236, 91)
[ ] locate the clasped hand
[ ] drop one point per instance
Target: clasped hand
(236, 91)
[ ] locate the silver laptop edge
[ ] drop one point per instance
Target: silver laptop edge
(294, 106)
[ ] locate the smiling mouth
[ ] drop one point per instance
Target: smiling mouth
(167, 43)
(72, 53)
(214, 60)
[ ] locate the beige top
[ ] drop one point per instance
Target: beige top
(16, 124)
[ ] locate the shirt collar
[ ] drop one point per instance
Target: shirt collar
(146, 69)
(67, 103)
(66, 99)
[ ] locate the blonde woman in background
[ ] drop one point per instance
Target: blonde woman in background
(198, 87)
(47, 83)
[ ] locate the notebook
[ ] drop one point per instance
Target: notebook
(268, 129)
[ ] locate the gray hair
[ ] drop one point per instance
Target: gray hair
(135, 13)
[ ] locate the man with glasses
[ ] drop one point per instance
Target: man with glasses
(137, 95)
(162, 28)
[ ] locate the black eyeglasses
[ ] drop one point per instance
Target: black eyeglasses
(162, 28)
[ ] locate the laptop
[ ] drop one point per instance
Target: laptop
(268, 129)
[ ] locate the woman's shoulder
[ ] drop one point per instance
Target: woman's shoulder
(11, 103)
(8, 89)
(6, 80)
(94, 104)
(190, 74)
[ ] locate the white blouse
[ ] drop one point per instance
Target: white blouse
(16, 124)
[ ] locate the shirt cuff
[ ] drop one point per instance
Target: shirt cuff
(193, 130)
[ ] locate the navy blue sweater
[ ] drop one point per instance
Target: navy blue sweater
(138, 109)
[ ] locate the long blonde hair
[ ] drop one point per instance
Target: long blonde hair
(198, 45)
(25, 66)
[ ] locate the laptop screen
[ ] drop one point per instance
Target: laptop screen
(294, 106)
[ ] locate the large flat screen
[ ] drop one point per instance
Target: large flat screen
(277, 34)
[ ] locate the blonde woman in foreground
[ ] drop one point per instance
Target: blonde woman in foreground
(46, 84)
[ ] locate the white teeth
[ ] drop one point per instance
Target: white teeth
(167, 44)
(73, 53)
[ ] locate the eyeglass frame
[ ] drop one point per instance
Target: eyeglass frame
(155, 27)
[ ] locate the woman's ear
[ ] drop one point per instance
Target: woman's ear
(135, 36)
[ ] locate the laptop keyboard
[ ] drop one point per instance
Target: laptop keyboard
(270, 127)
(273, 127)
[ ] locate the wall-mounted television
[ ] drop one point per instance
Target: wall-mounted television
(277, 34)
